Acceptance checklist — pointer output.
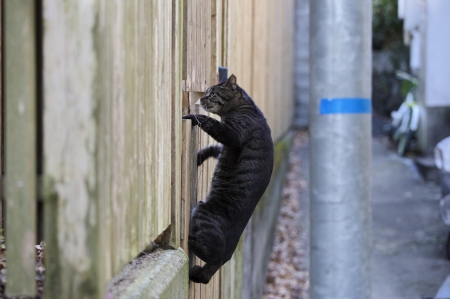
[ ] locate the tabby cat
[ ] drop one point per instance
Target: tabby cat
(245, 161)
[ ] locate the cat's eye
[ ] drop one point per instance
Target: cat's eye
(213, 95)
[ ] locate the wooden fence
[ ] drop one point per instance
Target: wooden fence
(118, 162)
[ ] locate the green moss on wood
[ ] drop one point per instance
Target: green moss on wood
(160, 274)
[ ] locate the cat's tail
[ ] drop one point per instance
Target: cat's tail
(208, 152)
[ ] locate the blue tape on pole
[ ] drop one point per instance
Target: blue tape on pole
(345, 106)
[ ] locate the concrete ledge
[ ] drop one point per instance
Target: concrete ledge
(159, 274)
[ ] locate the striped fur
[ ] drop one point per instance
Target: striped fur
(242, 174)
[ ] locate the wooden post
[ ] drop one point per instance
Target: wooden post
(20, 150)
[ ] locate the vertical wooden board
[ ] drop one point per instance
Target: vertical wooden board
(204, 289)
(234, 32)
(225, 26)
(191, 290)
(288, 38)
(276, 62)
(150, 104)
(152, 123)
(206, 81)
(186, 175)
(247, 45)
(159, 95)
(214, 42)
(114, 70)
(219, 10)
(20, 146)
(193, 195)
(130, 128)
(136, 111)
(196, 286)
(124, 225)
(201, 45)
(191, 44)
(196, 47)
(158, 76)
(177, 101)
(167, 96)
(70, 66)
(217, 286)
(271, 64)
(130, 94)
(281, 71)
(211, 75)
(187, 45)
(226, 33)
(290, 10)
(259, 70)
(104, 143)
(117, 132)
(227, 279)
(1, 119)
(156, 108)
(141, 214)
(199, 55)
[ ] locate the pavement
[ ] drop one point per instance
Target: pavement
(408, 259)
(408, 236)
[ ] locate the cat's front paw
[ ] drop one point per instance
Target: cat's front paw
(193, 118)
(197, 119)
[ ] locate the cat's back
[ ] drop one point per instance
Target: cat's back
(257, 149)
(248, 167)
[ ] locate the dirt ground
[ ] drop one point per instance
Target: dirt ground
(288, 276)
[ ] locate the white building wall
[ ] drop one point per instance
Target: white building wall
(412, 13)
(436, 55)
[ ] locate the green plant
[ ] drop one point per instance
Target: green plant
(387, 27)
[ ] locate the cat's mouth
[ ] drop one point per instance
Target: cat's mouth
(210, 106)
(206, 105)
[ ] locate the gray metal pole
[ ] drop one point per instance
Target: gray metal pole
(340, 148)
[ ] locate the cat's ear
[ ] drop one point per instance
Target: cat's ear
(231, 82)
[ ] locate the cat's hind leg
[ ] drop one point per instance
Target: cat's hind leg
(207, 152)
(203, 274)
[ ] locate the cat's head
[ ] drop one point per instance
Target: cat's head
(223, 97)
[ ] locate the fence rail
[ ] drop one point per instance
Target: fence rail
(119, 163)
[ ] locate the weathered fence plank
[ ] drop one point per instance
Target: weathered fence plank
(200, 45)
(186, 176)
(115, 162)
(20, 145)
(1, 116)
(138, 121)
(70, 127)
(176, 107)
